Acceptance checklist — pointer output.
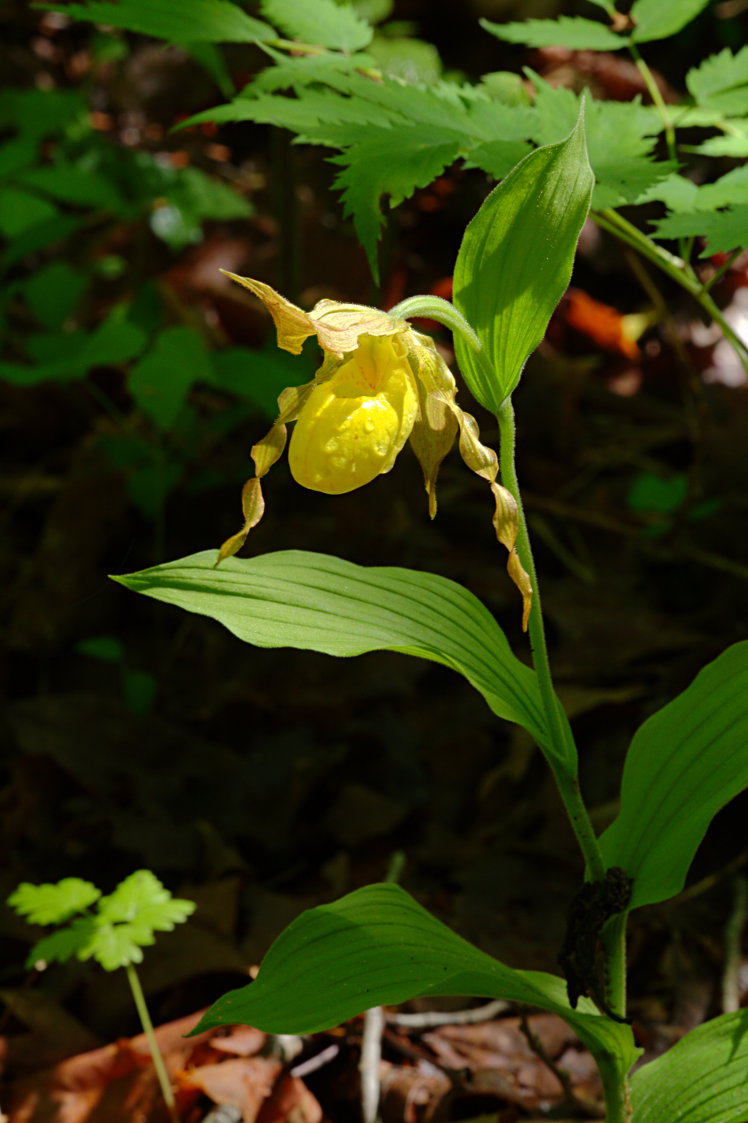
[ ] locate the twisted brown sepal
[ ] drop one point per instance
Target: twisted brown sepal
(506, 525)
(253, 507)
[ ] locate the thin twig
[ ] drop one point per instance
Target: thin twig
(571, 1100)
(432, 1018)
(368, 1067)
(733, 945)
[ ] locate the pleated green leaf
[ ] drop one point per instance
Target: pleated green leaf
(702, 1079)
(515, 262)
(321, 603)
(683, 764)
(378, 947)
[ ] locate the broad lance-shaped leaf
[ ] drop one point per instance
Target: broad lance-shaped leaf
(321, 603)
(702, 1079)
(686, 761)
(378, 947)
(515, 262)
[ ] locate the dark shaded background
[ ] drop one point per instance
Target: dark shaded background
(259, 782)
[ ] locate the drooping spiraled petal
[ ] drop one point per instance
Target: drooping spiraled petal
(354, 423)
(436, 427)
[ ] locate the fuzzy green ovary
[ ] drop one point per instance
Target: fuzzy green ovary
(354, 424)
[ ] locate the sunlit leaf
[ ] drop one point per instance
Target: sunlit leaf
(686, 761)
(53, 903)
(189, 21)
(378, 946)
(515, 262)
(700, 1080)
(321, 603)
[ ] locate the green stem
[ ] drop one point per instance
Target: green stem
(657, 100)
(614, 951)
(147, 1024)
(436, 308)
(677, 270)
(563, 755)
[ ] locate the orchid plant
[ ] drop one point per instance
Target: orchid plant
(383, 384)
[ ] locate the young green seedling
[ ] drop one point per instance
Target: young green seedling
(112, 930)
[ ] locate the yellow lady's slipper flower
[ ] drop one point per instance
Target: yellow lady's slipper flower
(381, 384)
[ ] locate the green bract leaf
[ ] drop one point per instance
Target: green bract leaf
(320, 603)
(700, 1080)
(324, 23)
(657, 19)
(189, 21)
(567, 31)
(515, 262)
(378, 947)
(683, 764)
(53, 903)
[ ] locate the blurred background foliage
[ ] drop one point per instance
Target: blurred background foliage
(133, 382)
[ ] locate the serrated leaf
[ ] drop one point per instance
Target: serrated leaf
(658, 19)
(321, 603)
(515, 262)
(324, 23)
(395, 162)
(189, 21)
(700, 1080)
(53, 903)
(61, 946)
(685, 763)
(378, 946)
(677, 192)
(142, 901)
(497, 157)
(723, 231)
(718, 74)
(734, 146)
(574, 32)
(730, 190)
(117, 945)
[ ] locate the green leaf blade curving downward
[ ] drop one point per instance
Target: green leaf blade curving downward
(317, 602)
(684, 763)
(189, 21)
(378, 947)
(515, 262)
(702, 1079)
